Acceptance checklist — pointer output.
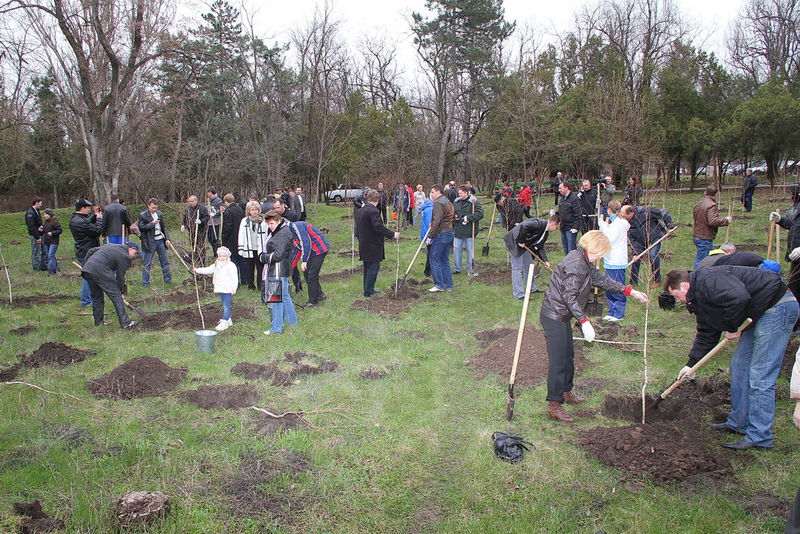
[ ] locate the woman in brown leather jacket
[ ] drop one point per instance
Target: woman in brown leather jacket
(570, 285)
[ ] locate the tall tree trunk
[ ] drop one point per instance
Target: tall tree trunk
(173, 171)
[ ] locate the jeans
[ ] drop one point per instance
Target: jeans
(282, 312)
(616, 301)
(560, 357)
(440, 260)
(569, 240)
(114, 239)
(371, 269)
(416, 215)
(704, 246)
(311, 274)
(163, 258)
(748, 201)
(52, 262)
(459, 244)
(755, 366)
(38, 255)
(519, 274)
(227, 300)
(655, 264)
(86, 294)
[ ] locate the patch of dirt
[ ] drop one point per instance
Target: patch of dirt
(222, 397)
(373, 373)
(265, 425)
(592, 384)
(48, 354)
(23, 330)
(752, 247)
(487, 337)
(497, 274)
(144, 376)
(411, 333)
(36, 300)
(283, 372)
(765, 505)
(666, 452)
(14, 242)
(36, 519)
(189, 318)
(264, 487)
(341, 275)
(347, 253)
(533, 361)
(254, 371)
(181, 299)
(388, 304)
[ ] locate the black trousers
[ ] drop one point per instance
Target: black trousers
(98, 286)
(560, 357)
(313, 267)
(793, 526)
(248, 266)
(371, 269)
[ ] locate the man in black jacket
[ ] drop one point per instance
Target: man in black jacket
(371, 232)
(231, 220)
(105, 269)
(116, 220)
(531, 233)
(155, 240)
(748, 189)
(648, 225)
(33, 220)
(195, 219)
(86, 229)
(383, 202)
(284, 210)
(569, 211)
(721, 298)
(588, 202)
(214, 205)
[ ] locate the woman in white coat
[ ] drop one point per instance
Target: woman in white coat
(252, 237)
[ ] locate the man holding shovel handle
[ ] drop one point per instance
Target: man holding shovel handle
(721, 298)
(523, 242)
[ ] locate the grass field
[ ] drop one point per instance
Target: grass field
(410, 452)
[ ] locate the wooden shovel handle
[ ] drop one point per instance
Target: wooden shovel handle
(546, 266)
(769, 240)
(521, 331)
(491, 223)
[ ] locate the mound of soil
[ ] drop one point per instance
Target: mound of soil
(189, 318)
(140, 508)
(48, 354)
(181, 299)
(532, 367)
(496, 274)
(222, 397)
(263, 487)
(390, 304)
(144, 376)
(666, 452)
(347, 253)
(23, 330)
(36, 519)
(341, 275)
(254, 371)
(487, 337)
(283, 372)
(36, 300)
(265, 425)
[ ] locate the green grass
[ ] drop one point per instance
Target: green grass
(407, 453)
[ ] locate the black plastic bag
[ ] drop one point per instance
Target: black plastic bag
(510, 448)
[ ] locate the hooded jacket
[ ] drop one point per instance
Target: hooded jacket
(426, 210)
(473, 211)
(648, 226)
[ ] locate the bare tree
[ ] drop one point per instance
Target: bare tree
(99, 53)
(378, 73)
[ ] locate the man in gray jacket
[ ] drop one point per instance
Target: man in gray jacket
(104, 270)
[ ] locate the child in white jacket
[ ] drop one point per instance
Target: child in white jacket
(615, 228)
(226, 282)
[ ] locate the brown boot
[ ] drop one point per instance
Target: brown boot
(557, 412)
(571, 398)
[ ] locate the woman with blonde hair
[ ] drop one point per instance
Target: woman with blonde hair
(252, 236)
(419, 199)
(570, 285)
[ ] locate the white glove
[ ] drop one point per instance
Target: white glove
(464, 221)
(684, 373)
(573, 230)
(794, 255)
(774, 216)
(588, 331)
(183, 228)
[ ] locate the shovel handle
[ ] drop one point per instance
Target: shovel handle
(703, 360)
(491, 223)
(521, 331)
(179, 257)
(538, 258)
(645, 251)
(769, 239)
(422, 242)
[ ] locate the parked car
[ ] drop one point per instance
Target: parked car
(344, 191)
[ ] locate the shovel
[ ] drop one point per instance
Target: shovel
(518, 346)
(541, 262)
(485, 250)
(472, 266)
(410, 265)
(678, 382)
(137, 309)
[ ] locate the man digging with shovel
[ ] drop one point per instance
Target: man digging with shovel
(531, 235)
(721, 298)
(104, 270)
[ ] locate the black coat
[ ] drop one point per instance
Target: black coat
(108, 262)
(279, 251)
(115, 217)
(588, 202)
(569, 210)
(533, 232)
(793, 225)
(33, 220)
(370, 232)
(290, 215)
(86, 230)
(231, 220)
(148, 229)
(53, 226)
(722, 297)
(190, 219)
(648, 226)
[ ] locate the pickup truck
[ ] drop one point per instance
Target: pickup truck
(344, 191)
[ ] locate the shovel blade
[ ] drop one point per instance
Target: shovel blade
(485, 250)
(594, 308)
(510, 403)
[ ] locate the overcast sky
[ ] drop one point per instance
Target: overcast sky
(389, 18)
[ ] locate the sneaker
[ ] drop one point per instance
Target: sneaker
(608, 318)
(130, 325)
(435, 289)
(223, 325)
(270, 333)
(613, 319)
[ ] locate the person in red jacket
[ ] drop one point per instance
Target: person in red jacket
(524, 200)
(410, 212)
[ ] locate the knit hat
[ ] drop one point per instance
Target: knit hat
(134, 246)
(223, 251)
(50, 211)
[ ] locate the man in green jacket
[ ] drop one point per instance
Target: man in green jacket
(468, 213)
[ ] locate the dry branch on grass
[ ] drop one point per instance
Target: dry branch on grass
(58, 394)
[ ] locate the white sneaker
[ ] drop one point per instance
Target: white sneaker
(613, 319)
(435, 289)
(223, 325)
(608, 318)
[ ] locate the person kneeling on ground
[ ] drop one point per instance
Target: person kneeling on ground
(531, 233)
(564, 299)
(226, 282)
(721, 298)
(104, 270)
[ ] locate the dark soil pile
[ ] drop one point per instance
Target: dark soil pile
(390, 304)
(222, 397)
(347, 253)
(36, 519)
(181, 299)
(263, 487)
(284, 372)
(48, 354)
(36, 300)
(189, 318)
(266, 425)
(495, 274)
(23, 330)
(532, 367)
(487, 337)
(144, 376)
(665, 452)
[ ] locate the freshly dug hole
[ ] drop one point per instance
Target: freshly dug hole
(222, 397)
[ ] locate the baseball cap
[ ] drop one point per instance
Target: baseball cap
(82, 203)
(50, 211)
(134, 246)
